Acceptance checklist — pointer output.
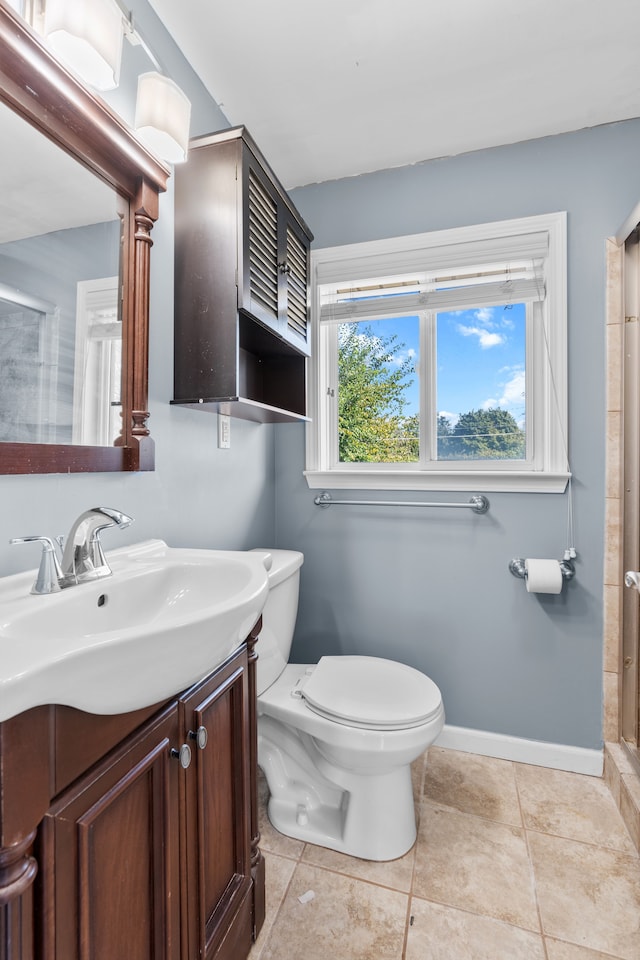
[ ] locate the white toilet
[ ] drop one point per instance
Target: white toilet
(336, 740)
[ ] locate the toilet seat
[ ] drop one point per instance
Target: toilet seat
(371, 693)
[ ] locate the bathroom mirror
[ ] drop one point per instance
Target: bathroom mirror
(79, 196)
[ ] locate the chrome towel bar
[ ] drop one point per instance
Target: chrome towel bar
(478, 503)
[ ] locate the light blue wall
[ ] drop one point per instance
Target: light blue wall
(432, 588)
(198, 495)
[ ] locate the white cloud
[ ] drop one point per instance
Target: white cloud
(513, 395)
(485, 315)
(514, 390)
(485, 338)
(451, 417)
(399, 358)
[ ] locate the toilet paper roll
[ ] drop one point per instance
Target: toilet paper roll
(543, 576)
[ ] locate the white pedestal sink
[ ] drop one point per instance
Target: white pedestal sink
(166, 617)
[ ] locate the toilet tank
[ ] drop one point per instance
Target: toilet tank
(279, 615)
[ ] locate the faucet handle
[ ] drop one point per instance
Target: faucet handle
(49, 572)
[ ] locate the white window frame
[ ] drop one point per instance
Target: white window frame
(546, 466)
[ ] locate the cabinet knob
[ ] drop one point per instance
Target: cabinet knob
(200, 736)
(284, 268)
(183, 755)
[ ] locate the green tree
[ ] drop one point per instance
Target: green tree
(371, 398)
(486, 435)
(445, 432)
(411, 437)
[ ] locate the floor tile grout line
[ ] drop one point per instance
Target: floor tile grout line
(355, 876)
(475, 816)
(407, 925)
(350, 876)
(278, 911)
(278, 853)
(635, 851)
(585, 843)
(417, 805)
(477, 913)
(530, 858)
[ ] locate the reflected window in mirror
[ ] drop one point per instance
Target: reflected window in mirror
(28, 366)
(97, 394)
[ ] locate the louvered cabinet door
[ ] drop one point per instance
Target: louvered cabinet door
(275, 260)
(263, 249)
(294, 282)
(261, 267)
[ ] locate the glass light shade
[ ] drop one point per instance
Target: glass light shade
(162, 118)
(87, 36)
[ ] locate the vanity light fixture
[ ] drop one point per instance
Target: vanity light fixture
(162, 117)
(88, 38)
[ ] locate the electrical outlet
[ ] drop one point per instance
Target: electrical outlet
(224, 431)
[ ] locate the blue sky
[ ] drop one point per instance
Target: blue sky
(481, 357)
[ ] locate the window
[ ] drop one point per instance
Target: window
(97, 400)
(28, 368)
(439, 360)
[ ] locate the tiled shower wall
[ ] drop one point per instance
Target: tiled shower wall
(618, 771)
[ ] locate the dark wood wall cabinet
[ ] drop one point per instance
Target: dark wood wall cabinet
(241, 282)
(134, 836)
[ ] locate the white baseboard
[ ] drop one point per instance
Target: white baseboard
(537, 752)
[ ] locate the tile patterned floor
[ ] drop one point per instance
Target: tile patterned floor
(512, 862)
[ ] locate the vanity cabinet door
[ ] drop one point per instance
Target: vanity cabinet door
(217, 814)
(110, 884)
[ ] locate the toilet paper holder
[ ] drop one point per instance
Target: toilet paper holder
(517, 566)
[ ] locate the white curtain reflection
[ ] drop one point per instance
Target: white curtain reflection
(97, 401)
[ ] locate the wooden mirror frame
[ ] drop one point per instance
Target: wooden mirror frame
(35, 85)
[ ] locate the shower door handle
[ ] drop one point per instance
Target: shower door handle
(632, 579)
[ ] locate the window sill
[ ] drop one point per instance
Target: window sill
(483, 480)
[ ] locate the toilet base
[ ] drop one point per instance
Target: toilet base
(370, 816)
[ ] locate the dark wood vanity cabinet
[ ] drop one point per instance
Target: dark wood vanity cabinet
(241, 282)
(147, 851)
(110, 845)
(217, 815)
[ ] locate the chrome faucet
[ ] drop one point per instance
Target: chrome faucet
(82, 558)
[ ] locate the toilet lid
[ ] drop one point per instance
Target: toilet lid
(371, 692)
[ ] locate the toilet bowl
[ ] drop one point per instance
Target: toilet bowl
(336, 739)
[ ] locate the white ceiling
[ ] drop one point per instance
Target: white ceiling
(342, 87)
(42, 188)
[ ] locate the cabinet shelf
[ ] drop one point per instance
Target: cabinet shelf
(243, 408)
